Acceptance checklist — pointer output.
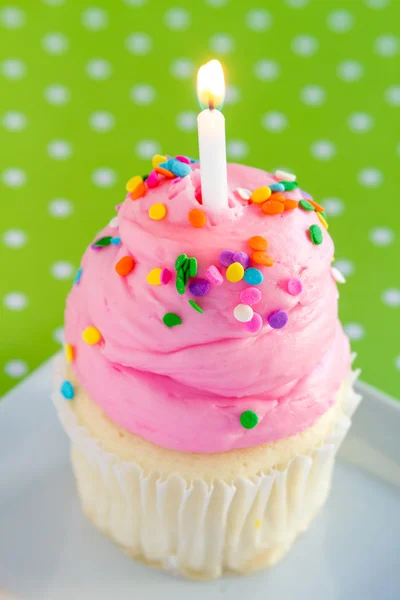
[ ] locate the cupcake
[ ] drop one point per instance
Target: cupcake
(207, 383)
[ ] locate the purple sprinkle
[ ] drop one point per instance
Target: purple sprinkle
(199, 287)
(93, 247)
(255, 324)
(226, 257)
(277, 319)
(165, 276)
(305, 195)
(294, 286)
(250, 295)
(242, 258)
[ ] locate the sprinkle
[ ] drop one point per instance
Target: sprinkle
(145, 177)
(114, 222)
(253, 276)
(290, 204)
(91, 335)
(178, 168)
(133, 183)
(118, 207)
(317, 206)
(255, 324)
(235, 272)
(257, 242)
(180, 285)
(78, 276)
(243, 193)
(154, 277)
(272, 207)
(285, 176)
(305, 205)
(165, 172)
(277, 319)
(69, 352)
(198, 196)
(165, 276)
(138, 192)
(242, 258)
(262, 258)
(157, 211)
(194, 305)
(243, 313)
(67, 390)
(157, 159)
(183, 159)
(250, 295)
(337, 275)
(152, 180)
(171, 319)
(323, 220)
(116, 241)
(214, 276)
(316, 234)
(180, 261)
(294, 286)
(278, 196)
(290, 185)
(186, 276)
(248, 419)
(197, 218)
(125, 265)
(261, 194)
(277, 187)
(103, 241)
(192, 266)
(199, 287)
(226, 257)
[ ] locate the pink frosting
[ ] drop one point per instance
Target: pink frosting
(186, 387)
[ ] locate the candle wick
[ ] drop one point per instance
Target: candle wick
(211, 103)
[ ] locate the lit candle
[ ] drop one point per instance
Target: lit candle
(211, 128)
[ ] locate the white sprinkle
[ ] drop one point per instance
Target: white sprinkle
(243, 313)
(337, 275)
(114, 222)
(243, 193)
(284, 176)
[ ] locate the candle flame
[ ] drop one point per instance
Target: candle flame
(211, 85)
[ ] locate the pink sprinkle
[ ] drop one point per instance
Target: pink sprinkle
(152, 180)
(118, 207)
(165, 276)
(294, 286)
(250, 296)
(255, 324)
(214, 276)
(183, 159)
(176, 180)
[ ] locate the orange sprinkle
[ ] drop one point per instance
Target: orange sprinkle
(138, 192)
(278, 196)
(165, 172)
(133, 183)
(290, 204)
(323, 220)
(317, 206)
(257, 242)
(125, 265)
(273, 207)
(197, 218)
(262, 258)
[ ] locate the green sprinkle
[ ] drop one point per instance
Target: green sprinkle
(316, 234)
(171, 319)
(181, 273)
(324, 215)
(186, 276)
(180, 261)
(306, 205)
(196, 306)
(192, 267)
(186, 265)
(144, 177)
(289, 185)
(104, 241)
(248, 419)
(180, 285)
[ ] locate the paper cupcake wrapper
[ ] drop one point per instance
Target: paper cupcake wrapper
(198, 528)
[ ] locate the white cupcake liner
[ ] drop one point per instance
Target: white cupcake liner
(198, 528)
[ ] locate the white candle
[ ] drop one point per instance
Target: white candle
(211, 129)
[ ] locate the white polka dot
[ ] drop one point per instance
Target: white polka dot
(386, 45)
(14, 238)
(304, 45)
(392, 95)
(98, 68)
(139, 43)
(323, 149)
(216, 3)
(258, 19)
(381, 236)
(297, 3)
(360, 122)
(354, 331)
(350, 70)
(177, 19)
(101, 121)
(397, 362)
(147, 149)
(237, 149)
(58, 335)
(143, 94)
(104, 177)
(57, 94)
(54, 2)
(182, 68)
(13, 68)
(12, 17)
(59, 149)
(313, 95)
(135, 3)
(14, 120)
(391, 297)
(266, 69)
(94, 19)
(340, 21)
(55, 43)
(15, 301)
(377, 4)
(345, 266)
(233, 94)
(274, 121)
(13, 177)
(370, 177)
(60, 208)
(62, 270)
(334, 206)
(187, 121)
(223, 43)
(16, 368)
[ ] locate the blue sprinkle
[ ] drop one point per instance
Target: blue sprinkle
(253, 276)
(277, 187)
(178, 168)
(116, 241)
(78, 276)
(194, 160)
(67, 390)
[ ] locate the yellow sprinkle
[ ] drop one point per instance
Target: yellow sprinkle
(158, 159)
(333, 259)
(154, 277)
(257, 524)
(234, 272)
(323, 220)
(133, 183)
(69, 353)
(261, 194)
(91, 335)
(157, 211)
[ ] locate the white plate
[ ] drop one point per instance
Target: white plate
(49, 551)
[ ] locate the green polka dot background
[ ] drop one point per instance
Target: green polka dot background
(90, 91)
